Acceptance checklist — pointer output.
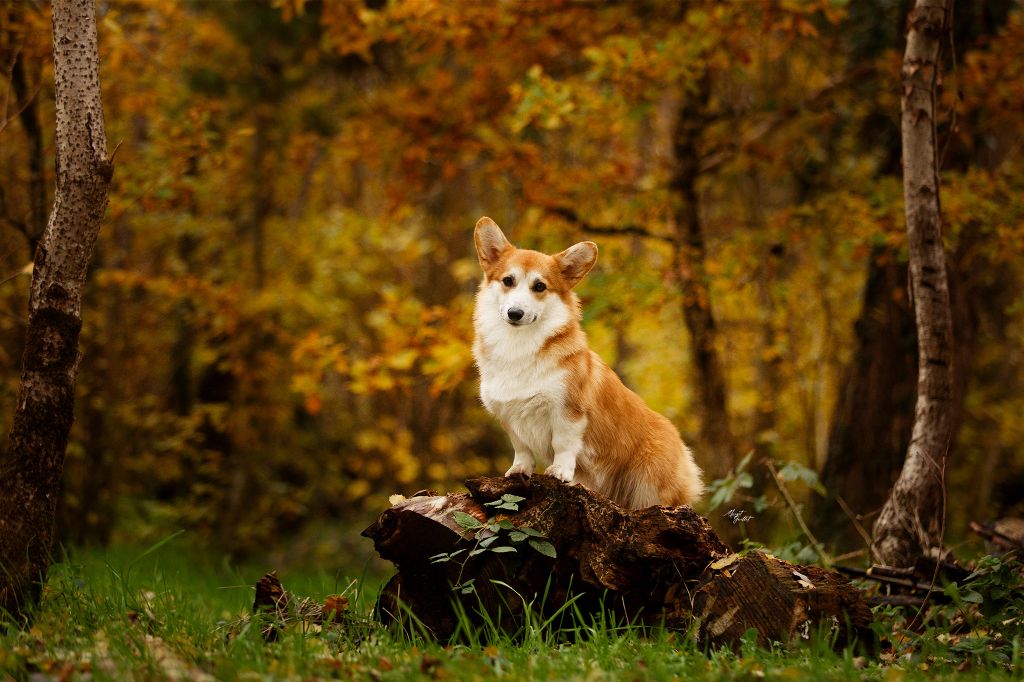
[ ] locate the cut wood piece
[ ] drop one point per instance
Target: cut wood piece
(645, 566)
(780, 601)
(1004, 534)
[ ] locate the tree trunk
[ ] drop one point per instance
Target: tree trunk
(716, 439)
(911, 522)
(31, 469)
(874, 411)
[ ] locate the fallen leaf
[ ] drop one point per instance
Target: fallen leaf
(725, 561)
(803, 580)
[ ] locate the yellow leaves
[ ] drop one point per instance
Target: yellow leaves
(714, 267)
(385, 450)
(290, 9)
(402, 360)
(542, 101)
(439, 472)
(313, 357)
(417, 343)
(357, 489)
(110, 24)
(442, 443)
(465, 270)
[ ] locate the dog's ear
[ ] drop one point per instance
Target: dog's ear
(576, 261)
(490, 242)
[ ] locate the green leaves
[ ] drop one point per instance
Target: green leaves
(794, 471)
(723, 489)
(509, 502)
(467, 521)
(544, 547)
(496, 536)
(535, 540)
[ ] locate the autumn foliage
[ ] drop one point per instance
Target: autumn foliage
(277, 324)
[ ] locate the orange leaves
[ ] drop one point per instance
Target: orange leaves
(351, 28)
(290, 9)
(312, 358)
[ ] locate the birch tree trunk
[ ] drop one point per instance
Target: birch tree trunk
(31, 468)
(911, 522)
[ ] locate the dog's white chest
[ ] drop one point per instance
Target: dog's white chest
(527, 397)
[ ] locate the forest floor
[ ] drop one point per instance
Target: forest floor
(166, 613)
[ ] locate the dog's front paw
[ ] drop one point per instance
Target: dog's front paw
(520, 468)
(561, 472)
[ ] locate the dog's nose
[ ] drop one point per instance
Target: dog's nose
(515, 314)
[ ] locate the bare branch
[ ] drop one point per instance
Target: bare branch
(571, 216)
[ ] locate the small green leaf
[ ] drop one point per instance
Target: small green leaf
(487, 542)
(720, 497)
(512, 498)
(794, 471)
(973, 597)
(505, 524)
(532, 532)
(466, 521)
(545, 548)
(502, 549)
(516, 536)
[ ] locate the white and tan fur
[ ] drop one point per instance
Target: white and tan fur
(560, 404)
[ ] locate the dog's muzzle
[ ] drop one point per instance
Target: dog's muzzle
(517, 317)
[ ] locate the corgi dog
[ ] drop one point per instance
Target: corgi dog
(558, 402)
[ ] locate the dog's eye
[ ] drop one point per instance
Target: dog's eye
(508, 280)
(539, 286)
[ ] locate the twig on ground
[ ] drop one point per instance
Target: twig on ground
(857, 525)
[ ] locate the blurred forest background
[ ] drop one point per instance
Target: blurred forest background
(277, 323)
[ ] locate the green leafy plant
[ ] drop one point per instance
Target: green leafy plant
(499, 536)
(723, 489)
(980, 622)
(795, 471)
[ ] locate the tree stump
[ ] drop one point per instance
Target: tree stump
(641, 566)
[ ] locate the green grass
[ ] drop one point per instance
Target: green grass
(170, 614)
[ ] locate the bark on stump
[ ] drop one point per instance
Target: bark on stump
(644, 566)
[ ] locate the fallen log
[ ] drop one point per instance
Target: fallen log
(515, 551)
(1005, 534)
